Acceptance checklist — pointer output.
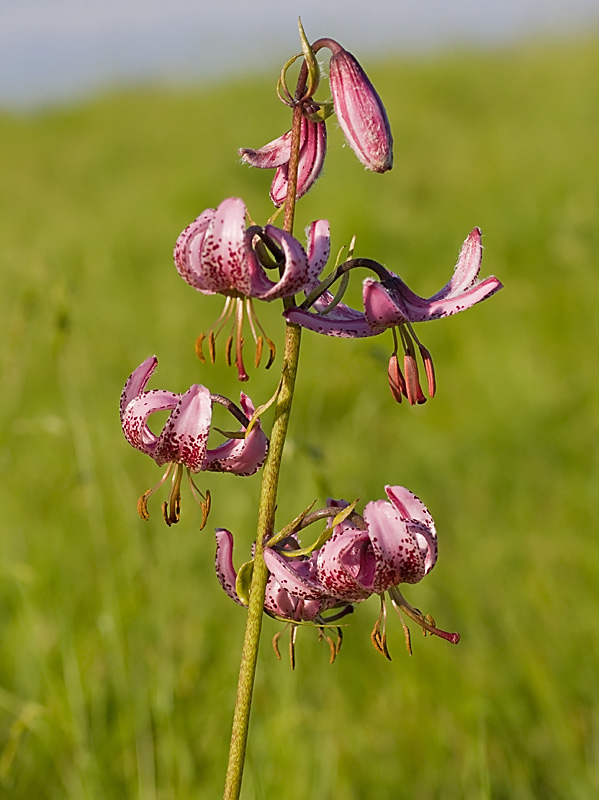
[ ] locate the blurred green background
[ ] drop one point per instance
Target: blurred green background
(119, 651)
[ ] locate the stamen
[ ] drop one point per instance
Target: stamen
(292, 638)
(399, 601)
(204, 501)
(275, 643)
(379, 635)
(198, 347)
(258, 356)
(414, 391)
(429, 368)
(397, 382)
(142, 503)
(228, 347)
(241, 373)
(212, 347)
(173, 505)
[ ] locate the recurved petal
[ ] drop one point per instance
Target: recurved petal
(419, 521)
(319, 247)
(225, 571)
(381, 308)
(466, 270)
(240, 456)
(188, 249)
(346, 564)
(295, 269)
(272, 155)
(399, 558)
(313, 146)
(134, 419)
(435, 309)
(283, 571)
(343, 321)
(224, 251)
(137, 381)
(183, 438)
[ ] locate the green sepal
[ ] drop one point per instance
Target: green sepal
(243, 582)
(321, 114)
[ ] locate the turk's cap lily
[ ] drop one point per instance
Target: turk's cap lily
(399, 545)
(360, 110)
(215, 254)
(276, 155)
(390, 302)
(184, 437)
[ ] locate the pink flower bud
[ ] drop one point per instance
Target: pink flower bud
(360, 111)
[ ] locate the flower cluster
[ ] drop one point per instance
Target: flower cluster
(394, 542)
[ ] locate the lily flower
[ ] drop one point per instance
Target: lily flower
(276, 154)
(182, 444)
(217, 254)
(398, 545)
(390, 303)
(360, 111)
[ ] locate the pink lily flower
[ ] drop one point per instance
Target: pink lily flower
(183, 440)
(276, 154)
(217, 254)
(390, 303)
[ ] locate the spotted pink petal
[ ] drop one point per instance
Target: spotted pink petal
(188, 249)
(466, 270)
(224, 253)
(240, 456)
(346, 564)
(287, 575)
(184, 437)
(225, 571)
(399, 559)
(319, 247)
(382, 310)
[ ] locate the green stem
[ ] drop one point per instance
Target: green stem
(266, 511)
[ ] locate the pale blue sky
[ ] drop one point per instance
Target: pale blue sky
(58, 50)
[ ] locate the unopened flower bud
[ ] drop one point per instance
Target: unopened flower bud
(360, 111)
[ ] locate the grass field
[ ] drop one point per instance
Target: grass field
(119, 651)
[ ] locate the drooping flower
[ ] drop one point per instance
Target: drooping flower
(217, 254)
(276, 154)
(390, 303)
(398, 545)
(360, 110)
(182, 444)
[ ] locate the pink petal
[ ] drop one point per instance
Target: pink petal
(466, 270)
(399, 558)
(319, 247)
(272, 155)
(343, 321)
(381, 309)
(135, 418)
(224, 250)
(185, 434)
(284, 572)
(313, 145)
(454, 304)
(346, 564)
(240, 456)
(225, 571)
(137, 381)
(188, 249)
(295, 271)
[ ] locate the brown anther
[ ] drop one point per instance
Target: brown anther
(205, 506)
(212, 347)
(413, 390)
(275, 644)
(292, 638)
(259, 345)
(142, 505)
(332, 647)
(397, 382)
(198, 347)
(228, 348)
(339, 641)
(429, 368)
(406, 633)
(272, 349)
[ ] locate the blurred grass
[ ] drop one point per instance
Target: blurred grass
(119, 651)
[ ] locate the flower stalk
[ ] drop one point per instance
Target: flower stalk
(268, 497)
